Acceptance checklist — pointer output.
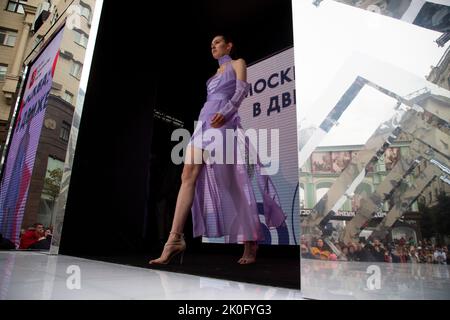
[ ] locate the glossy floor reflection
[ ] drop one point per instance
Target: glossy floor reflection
(34, 275)
(359, 280)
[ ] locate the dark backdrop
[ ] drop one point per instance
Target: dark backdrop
(151, 56)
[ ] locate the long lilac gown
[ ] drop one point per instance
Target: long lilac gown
(224, 202)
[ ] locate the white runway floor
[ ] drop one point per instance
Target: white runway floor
(356, 280)
(34, 275)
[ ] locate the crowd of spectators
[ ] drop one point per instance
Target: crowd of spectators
(36, 237)
(397, 251)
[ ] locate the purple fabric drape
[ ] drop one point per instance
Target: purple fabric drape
(224, 201)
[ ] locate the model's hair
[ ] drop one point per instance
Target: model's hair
(227, 38)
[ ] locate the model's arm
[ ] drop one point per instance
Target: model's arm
(240, 67)
(234, 103)
(242, 88)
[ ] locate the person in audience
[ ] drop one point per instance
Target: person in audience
(305, 252)
(319, 251)
(439, 256)
(413, 255)
(31, 236)
(388, 256)
(344, 253)
(44, 241)
(352, 256)
(377, 251)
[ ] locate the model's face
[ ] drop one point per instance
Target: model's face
(219, 47)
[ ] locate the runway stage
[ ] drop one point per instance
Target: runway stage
(37, 276)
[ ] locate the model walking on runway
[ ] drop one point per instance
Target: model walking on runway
(221, 196)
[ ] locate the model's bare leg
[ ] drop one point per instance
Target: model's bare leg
(191, 170)
(189, 176)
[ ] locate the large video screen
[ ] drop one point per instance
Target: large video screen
(270, 109)
(20, 161)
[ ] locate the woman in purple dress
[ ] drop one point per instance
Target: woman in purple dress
(220, 195)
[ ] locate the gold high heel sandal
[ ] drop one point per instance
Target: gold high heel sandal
(177, 247)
